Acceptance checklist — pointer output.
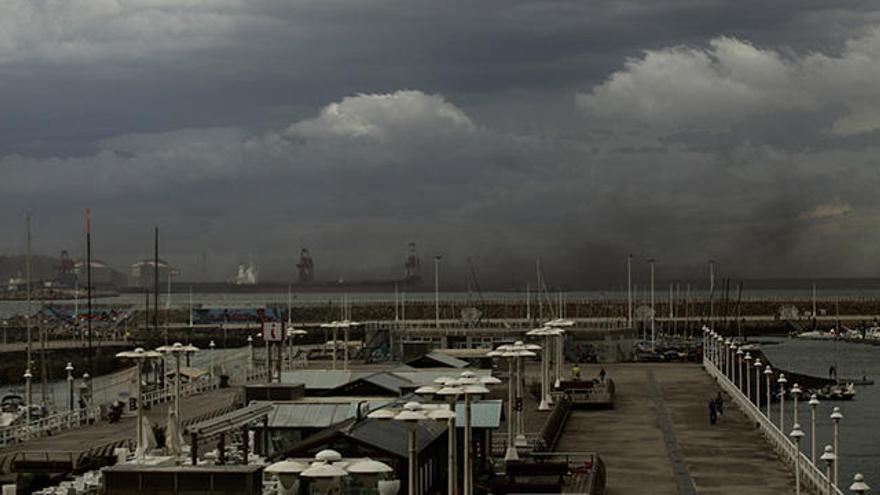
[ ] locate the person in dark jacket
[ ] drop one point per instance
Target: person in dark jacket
(713, 412)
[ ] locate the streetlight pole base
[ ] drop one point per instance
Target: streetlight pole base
(521, 441)
(544, 406)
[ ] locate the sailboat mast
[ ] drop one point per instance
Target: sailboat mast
(89, 288)
(28, 287)
(156, 285)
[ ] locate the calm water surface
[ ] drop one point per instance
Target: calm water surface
(860, 428)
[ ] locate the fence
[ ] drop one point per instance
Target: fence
(811, 475)
(49, 425)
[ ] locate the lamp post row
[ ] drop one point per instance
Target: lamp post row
(733, 363)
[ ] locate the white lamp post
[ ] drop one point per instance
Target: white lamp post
(858, 485)
(796, 435)
(412, 413)
(211, 347)
(28, 376)
(829, 459)
(325, 472)
(731, 363)
(748, 372)
(544, 333)
(781, 381)
(758, 365)
(507, 352)
(451, 394)
(836, 416)
(470, 388)
(177, 350)
(725, 348)
(768, 373)
(250, 341)
(738, 367)
(795, 394)
(814, 402)
(140, 356)
(69, 370)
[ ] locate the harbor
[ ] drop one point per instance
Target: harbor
(635, 424)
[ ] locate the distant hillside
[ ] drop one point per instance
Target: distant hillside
(42, 267)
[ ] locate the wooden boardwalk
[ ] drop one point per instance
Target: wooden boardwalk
(104, 434)
(658, 437)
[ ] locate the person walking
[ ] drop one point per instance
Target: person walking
(602, 375)
(713, 412)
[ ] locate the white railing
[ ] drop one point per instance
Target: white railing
(256, 374)
(812, 476)
(50, 424)
(167, 393)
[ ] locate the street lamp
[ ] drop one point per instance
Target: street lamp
(748, 373)
(412, 413)
(450, 393)
(814, 402)
(725, 348)
(544, 333)
(28, 376)
(829, 459)
(738, 368)
(731, 362)
(70, 379)
(511, 353)
(211, 347)
(471, 385)
(560, 324)
(795, 394)
(140, 356)
(250, 341)
(287, 472)
(796, 435)
(858, 485)
(768, 373)
(758, 366)
(836, 416)
(177, 350)
(325, 472)
(781, 381)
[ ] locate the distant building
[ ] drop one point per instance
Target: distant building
(102, 274)
(143, 273)
(247, 275)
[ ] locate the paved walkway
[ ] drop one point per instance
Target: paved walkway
(104, 433)
(658, 437)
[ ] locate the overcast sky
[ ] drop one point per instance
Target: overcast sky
(743, 131)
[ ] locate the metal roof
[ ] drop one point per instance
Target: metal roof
(321, 379)
(388, 381)
(311, 415)
(393, 436)
(441, 359)
(230, 420)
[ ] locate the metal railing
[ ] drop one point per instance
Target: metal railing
(811, 475)
(49, 425)
(167, 393)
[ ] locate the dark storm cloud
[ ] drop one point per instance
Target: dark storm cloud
(500, 130)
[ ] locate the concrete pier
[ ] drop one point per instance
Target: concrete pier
(658, 437)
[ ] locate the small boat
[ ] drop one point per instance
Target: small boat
(837, 392)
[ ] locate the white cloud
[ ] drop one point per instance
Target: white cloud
(77, 30)
(385, 116)
(686, 88)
